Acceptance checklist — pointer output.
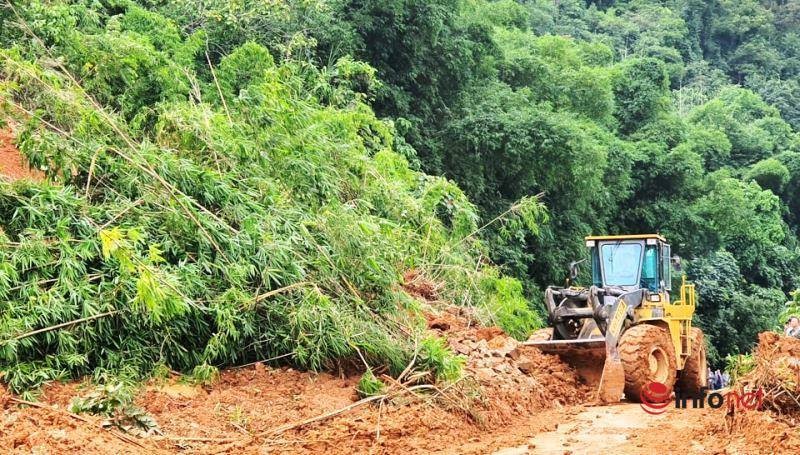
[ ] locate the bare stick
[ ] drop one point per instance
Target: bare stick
(269, 294)
(219, 89)
(272, 359)
(91, 172)
(33, 404)
(328, 415)
(60, 326)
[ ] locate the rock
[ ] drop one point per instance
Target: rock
(487, 333)
(503, 345)
(527, 367)
(484, 374)
(461, 348)
(439, 324)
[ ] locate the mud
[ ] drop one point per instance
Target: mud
(504, 385)
(12, 164)
(513, 400)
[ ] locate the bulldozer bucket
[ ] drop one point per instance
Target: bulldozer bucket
(595, 359)
(590, 359)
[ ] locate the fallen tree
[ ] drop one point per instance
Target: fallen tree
(203, 213)
(775, 373)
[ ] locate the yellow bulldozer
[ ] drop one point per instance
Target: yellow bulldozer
(626, 330)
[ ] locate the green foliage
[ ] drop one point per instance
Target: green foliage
(200, 216)
(221, 151)
(436, 357)
(731, 312)
(113, 399)
(770, 174)
(792, 308)
(104, 399)
(738, 366)
(509, 308)
(369, 385)
(640, 91)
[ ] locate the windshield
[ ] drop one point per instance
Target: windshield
(621, 263)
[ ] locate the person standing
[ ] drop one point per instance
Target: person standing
(792, 328)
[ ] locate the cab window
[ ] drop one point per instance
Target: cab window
(650, 269)
(666, 267)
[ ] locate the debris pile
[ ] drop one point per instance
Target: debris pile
(506, 385)
(776, 373)
(514, 379)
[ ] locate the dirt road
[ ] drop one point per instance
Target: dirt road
(622, 428)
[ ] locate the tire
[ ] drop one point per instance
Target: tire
(695, 372)
(545, 334)
(647, 355)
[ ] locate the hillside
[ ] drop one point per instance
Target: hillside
(672, 116)
(244, 210)
(219, 219)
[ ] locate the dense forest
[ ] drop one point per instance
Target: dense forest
(676, 117)
(309, 152)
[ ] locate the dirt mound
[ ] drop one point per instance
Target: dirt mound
(417, 285)
(776, 373)
(723, 431)
(12, 164)
(50, 429)
(505, 386)
(514, 379)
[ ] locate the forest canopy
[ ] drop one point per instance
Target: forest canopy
(202, 154)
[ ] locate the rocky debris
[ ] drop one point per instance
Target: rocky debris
(417, 285)
(506, 370)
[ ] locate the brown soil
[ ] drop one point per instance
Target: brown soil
(748, 432)
(504, 385)
(776, 374)
(417, 285)
(12, 164)
(514, 400)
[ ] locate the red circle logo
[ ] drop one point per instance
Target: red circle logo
(654, 398)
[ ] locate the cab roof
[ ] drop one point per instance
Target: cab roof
(627, 237)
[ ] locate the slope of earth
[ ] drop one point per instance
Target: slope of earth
(259, 409)
(12, 164)
(512, 401)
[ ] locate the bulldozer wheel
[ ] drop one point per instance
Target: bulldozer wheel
(647, 356)
(695, 372)
(545, 334)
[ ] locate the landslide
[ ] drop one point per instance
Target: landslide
(773, 427)
(776, 373)
(503, 389)
(204, 211)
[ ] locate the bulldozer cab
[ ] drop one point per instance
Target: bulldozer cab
(630, 262)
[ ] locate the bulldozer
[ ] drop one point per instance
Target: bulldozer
(626, 331)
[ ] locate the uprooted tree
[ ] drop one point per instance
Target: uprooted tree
(205, 213)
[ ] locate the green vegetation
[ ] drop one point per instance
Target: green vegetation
(210, 213)
(223, 190)
(370, 385)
